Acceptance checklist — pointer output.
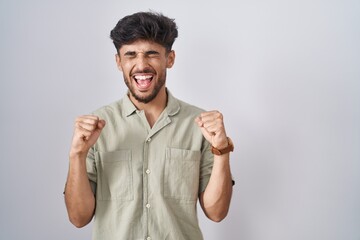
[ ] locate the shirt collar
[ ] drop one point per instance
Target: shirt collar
(172, 107)
(128, 107)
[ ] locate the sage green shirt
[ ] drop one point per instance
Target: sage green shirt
(147, 180)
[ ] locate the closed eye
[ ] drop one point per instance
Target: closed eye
(130, 54)
(148, 54)
(152, 53)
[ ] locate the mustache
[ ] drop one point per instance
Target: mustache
(145, 70)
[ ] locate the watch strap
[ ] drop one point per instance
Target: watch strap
(228, 149)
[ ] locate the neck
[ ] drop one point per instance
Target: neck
(154, 108)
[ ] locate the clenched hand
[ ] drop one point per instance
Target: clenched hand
(86, 131)
(212, 127)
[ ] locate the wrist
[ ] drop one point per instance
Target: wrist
(229, 147)
(77, 155)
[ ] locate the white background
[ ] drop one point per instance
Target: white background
(285, 74)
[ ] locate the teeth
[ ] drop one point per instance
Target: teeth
(142, 77)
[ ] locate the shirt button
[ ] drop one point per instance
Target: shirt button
(148, 238)
(147, 171)
(147, 205)
(149, 140)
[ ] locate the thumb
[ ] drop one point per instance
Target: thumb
(92, 139)
(101, 124)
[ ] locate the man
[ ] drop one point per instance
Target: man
(140, 164)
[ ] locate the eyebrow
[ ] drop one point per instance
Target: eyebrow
(152, 52)
(133, 53)
(130, 53)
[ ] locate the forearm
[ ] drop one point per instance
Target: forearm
(215, 200)
(79, 198)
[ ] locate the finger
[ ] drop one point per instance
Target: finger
(207, 120)
(94, 117)
(90, 122)
(214, 130)
(83, 132)
(213, 116)
(208, 135)
(211, 123)
(214, 113)
(88, 119)
(198, 121)
(81, 127)
(87, 126)
(212, 126)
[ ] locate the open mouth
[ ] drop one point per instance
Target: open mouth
(143, 81)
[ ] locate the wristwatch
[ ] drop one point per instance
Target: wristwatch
(219, 152)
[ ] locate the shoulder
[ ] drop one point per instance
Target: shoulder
(108, 111)
(176, 105)
(189, 108)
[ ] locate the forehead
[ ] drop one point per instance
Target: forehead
(142, 46)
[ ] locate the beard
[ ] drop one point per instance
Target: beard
(146, 99)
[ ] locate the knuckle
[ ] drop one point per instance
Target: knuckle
(94, 117)
(77, 124)
(91, 121)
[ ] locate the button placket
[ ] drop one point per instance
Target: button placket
(146, 184)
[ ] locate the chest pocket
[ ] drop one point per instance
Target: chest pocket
(114, 175)
(181, 174)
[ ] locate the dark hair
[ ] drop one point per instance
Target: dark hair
(147, 26)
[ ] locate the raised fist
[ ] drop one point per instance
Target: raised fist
(86, 131)
(212, 127)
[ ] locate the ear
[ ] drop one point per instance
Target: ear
(118, 61)
(170, 59)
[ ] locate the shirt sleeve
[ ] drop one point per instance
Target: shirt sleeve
(206, 165)
(91, 169)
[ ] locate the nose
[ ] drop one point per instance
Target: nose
(141, 61)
